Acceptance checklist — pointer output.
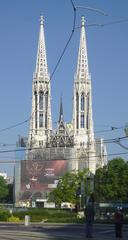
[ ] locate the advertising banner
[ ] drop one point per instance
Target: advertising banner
(41, 176)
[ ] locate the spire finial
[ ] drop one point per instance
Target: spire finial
(82, 21)
(41, 20)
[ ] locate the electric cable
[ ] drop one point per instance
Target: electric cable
(13, 126)
(115, 22)
(66, 159)
(107, 141)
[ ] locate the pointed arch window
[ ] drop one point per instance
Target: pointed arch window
(46, 108)
(87, 120)
(41, 120)
(82, 121)
(41, 100)
(82, 102)
(77, 110)
(35, 93)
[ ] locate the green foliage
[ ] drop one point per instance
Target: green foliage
(3, 189)
(111, 181)
(48, 215)
(4, 214)
(9, 197)
(13, 219)
(67, 187)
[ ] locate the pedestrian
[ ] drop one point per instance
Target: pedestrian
(118, 218)
(89, 215)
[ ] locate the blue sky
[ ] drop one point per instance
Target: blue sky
(107, 55)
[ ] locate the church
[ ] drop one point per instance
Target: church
(70, 147)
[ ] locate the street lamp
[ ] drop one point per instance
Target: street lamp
(90, 185)
(80, 200)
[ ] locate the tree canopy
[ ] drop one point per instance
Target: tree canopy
(110, 184)
(69, 187)
(3, 189)
(111, 181)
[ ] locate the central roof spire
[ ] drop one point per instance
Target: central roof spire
(61, 111)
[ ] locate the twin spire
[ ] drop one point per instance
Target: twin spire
(41, 71)
(41, 63)
(41, 122)
(82, 64)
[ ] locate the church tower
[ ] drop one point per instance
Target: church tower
(40, 123)
(82, 104)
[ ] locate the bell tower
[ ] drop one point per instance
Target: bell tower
(82, 103)
(40, 123)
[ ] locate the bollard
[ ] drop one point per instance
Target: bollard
(27, 220)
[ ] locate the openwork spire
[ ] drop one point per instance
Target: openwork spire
(82, 64)
(41, 122)
(41, 71)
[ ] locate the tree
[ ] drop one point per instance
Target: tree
(111, 181)
(9, 197)
(3, 189)
(67, 187)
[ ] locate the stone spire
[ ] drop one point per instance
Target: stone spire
(41, 71)
(41, 123)
(61, 110)
(82, 64)
(82, 101)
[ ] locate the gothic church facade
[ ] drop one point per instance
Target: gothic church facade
(75, 142)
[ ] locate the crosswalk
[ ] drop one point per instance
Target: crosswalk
(25, 235)
(18, 235)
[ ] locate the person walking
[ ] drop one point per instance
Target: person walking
(89, 215)
(118, 218)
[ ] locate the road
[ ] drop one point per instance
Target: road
(56, 232)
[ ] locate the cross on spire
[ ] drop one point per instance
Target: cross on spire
(41, 20)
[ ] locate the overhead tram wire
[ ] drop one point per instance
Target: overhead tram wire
(104, 140)
(113, 140)
(109, 130)
(68, 41)
(115, 22)
(107, 141)
(74, 8)
(13, 126)
(92, 9)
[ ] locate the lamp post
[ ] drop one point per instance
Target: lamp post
(78, 197)
(80, 200)
(90, 185)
